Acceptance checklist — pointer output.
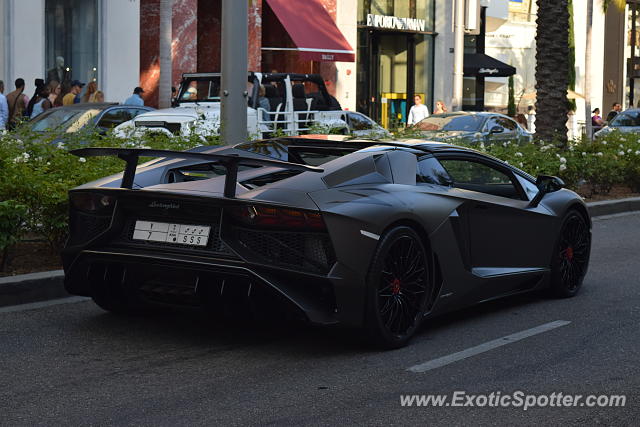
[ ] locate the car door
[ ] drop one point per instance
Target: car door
(493, 131)
(510, 129)
(506, 236)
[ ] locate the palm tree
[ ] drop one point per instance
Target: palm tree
(552, 63)
(164, 87)
(620, 5)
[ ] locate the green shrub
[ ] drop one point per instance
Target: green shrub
(37, 171)
(12, 216)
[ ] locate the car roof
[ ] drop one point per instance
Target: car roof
(418, 144)
(97, 106)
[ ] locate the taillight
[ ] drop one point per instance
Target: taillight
(92, 202)
(275, 217)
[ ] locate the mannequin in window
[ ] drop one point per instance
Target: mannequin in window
(59, 73)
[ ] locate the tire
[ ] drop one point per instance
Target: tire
(570, 258)
(398, 286)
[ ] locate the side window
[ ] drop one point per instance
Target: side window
(509, 125)
(492, 122)
(479, 177)
(430, 171)
(135, 113)
(113, 118)
(357, 122)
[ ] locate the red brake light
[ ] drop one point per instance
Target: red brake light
(263, 216)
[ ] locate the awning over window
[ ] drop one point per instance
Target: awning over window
(479, 64)
(312, 30)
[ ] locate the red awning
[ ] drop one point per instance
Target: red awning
(312, 30)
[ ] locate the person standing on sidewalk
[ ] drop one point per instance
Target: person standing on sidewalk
(136, 98)
(17, 102)
(4, 108)
(70, 98)
(615, 109)
(418, 112)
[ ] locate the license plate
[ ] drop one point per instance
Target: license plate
(179, 234)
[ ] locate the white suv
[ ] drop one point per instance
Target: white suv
(286, 103)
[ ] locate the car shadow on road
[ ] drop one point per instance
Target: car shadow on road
(199, 330)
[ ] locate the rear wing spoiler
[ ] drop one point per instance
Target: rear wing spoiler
(229, 162)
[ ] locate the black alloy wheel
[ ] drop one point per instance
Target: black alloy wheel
(398, 287)
(571, 256)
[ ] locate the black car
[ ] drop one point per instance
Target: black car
(343, 231)
(73, 118)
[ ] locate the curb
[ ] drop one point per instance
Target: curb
(610, 207)
(33, 287)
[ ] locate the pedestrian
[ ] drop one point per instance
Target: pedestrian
(99, 96)
(90, 93)
(136, 98)
(17, 102)
(531, 119)
(4, 108)
(441, 108)
(43, 104)
(65, 88)
(174, 94)
(596, 119)
(70, 98)
(54, 88)
(39, 83)
(615, 109)
(418, 111)
(263, 103)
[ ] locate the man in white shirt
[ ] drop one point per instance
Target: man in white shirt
(418, 112)
(4, 108)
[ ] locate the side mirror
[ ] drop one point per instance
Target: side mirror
(546, 184)
(496, 129)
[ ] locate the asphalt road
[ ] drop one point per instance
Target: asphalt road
(72, 364)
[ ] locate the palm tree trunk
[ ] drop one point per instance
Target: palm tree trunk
(164, 86)
(552, 65)
(587, 71)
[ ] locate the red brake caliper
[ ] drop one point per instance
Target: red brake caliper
(395, 286)
(569, 253)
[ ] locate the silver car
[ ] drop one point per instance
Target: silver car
(472, 128)
(627, 122)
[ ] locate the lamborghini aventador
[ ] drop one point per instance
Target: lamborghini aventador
(374, 235)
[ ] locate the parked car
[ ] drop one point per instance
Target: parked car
(473, 128)
(72, 118)
(627, 121)
(295, 104)
(379, 237)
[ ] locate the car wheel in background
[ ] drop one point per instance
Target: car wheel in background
(398, 285)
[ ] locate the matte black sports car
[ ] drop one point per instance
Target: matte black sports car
(378, 237)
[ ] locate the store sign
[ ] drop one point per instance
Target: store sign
(488, 71)
(395, 23)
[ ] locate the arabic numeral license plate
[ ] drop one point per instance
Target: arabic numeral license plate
(164, 232)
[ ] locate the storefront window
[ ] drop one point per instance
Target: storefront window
(424, 68)
(71, 29)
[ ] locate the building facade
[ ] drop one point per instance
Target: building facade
(85, 40)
